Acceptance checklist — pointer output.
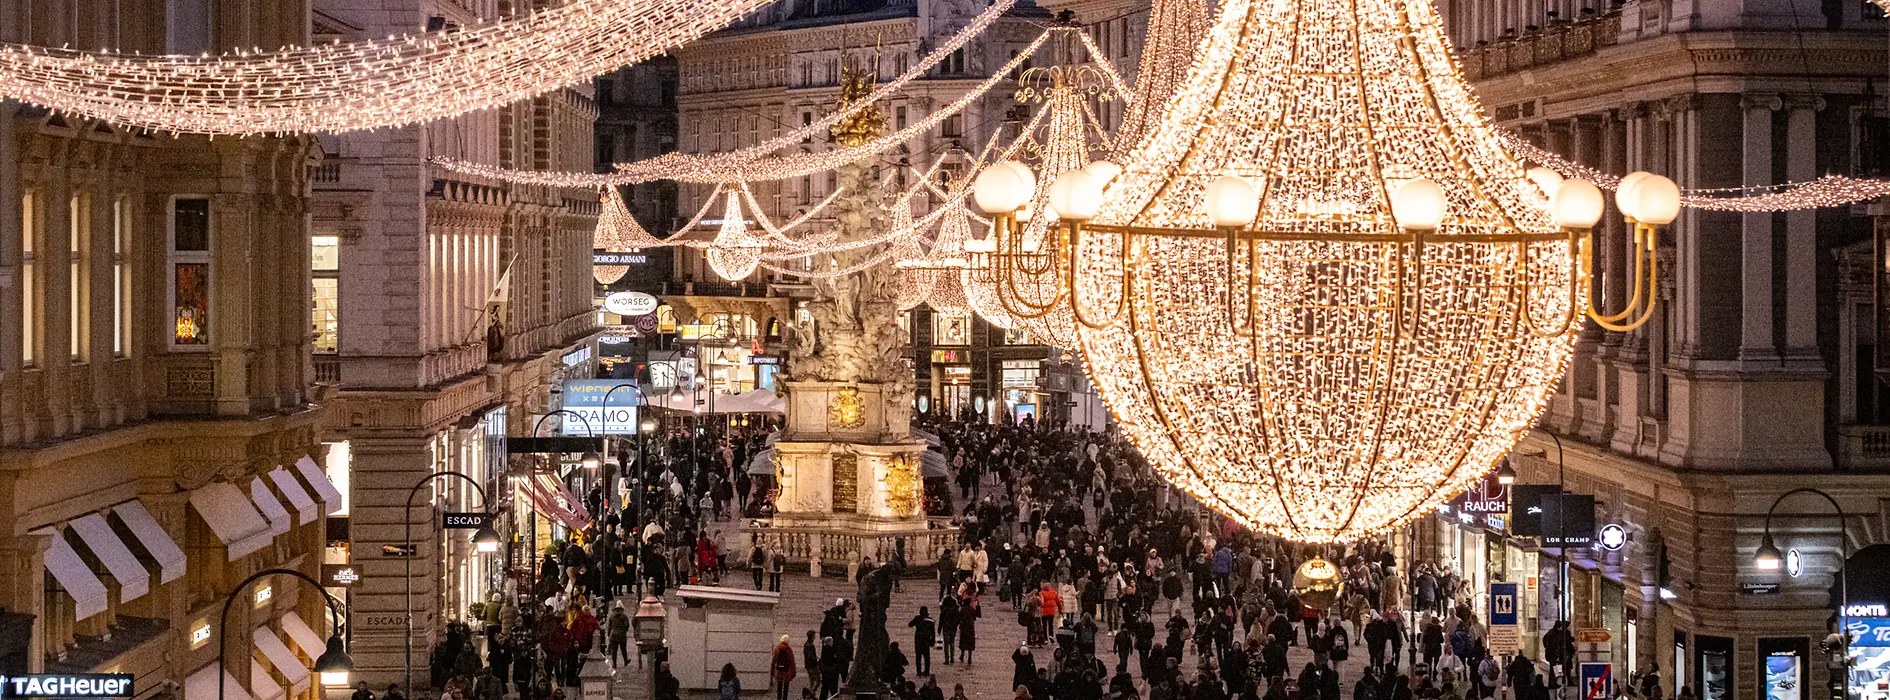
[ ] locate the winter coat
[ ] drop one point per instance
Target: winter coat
(781, 668)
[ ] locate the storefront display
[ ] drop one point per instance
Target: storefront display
(1782, 665)
(1869, 658)
(1715, 668)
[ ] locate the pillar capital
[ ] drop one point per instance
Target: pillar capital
(1752, 101)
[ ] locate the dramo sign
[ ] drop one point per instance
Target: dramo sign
(630, 304)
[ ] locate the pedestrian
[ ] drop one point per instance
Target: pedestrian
(948, 625)
(729, 686)
(968, 614)
(393, 692)
(619, 635)
(810, 658)
(781, 668)
(924, 635)
(777, 563)
(361, 692)
(757, 562)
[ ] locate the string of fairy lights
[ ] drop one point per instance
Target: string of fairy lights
(1827, 191)
(351, 86)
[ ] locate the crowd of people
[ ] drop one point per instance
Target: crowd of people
(1123, 588)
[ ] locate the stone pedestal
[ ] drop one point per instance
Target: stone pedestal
(849, 474)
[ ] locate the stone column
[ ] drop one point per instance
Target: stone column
(1755, 339)
(383, 472)
(1801, 230)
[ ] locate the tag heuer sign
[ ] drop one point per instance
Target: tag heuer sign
(630, 304)
(464, 521)
(68, 685)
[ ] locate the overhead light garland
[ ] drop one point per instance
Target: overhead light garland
(1174, 31)
(364, 84)
(1827, 191)
(1319, 295)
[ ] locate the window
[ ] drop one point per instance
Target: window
(325, 262)
(79, 292)
(807, 119)
(190, 273)
(899, 118)
(1016, 336)
(952, 127)
(954, 63)
(187, 26)
(29, 279)
(951, 329)
(121, 279)
(606, 150)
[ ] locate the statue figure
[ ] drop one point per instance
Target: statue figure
(875, 595)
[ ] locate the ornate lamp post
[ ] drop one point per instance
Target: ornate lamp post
(484, 539)
(1769, 558)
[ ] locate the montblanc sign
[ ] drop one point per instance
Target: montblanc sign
(68, 685)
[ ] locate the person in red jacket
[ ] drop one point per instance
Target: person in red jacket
(706, 560)
(781, 670)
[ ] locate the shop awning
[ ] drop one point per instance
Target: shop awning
(932, 465)
(303, 636)
(550, 497)
(229, 514)
(262, 684)
(280, 657)
(133, 579)
(279, 520)
(63, 562)
(324, 489)
(156, 542)
(298, 496)
(202, 685)
(762, 462)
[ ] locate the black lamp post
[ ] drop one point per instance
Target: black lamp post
(485, 540)
(333, 666)
(1769, 558)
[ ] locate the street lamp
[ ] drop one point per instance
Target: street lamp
(484, 539)
(1506, 475)
(334, 666)
(1768, 558)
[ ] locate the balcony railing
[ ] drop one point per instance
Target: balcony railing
(327, 369)
(1559, 42)
(1863, 446)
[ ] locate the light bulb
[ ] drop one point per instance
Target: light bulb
(1076, 195)
(1104, 171)
(995, 190)
(1577, 203)
(1026, 180)
(1025, 213)
(1232, 201)
(1418, 205)
(1656, 200)
(1546, 180)
(1621, 199)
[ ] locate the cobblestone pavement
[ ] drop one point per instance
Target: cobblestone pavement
(988, 677)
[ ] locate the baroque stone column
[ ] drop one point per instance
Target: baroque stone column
(1756, 336)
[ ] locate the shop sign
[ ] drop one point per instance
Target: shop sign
(465, 521)
(1869, 631)
(619, 259)
(1866, 610)
(1758, 587)
(766, 360)
(264, 593)
(383, 622)
(585, 414)
(630, 304)
(1611, 537)
(1568, 520)
(1486, 496)
(947, 356)
(1597, 681)
(576, 357)
(398, 551)
(1525, 507)
(1794, 563)
(199, 634)
(340, 575)
(68, 685)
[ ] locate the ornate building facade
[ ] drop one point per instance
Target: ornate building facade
(455, 306)
(157, 400)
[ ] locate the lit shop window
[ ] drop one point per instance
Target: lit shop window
(325, 314)
(190, 273)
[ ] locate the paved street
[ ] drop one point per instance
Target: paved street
(988, 678)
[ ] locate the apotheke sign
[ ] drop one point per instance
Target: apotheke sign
(68, 685)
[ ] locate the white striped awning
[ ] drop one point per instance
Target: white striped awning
(265, 500)
(263, 685)
(229, 514)
(298, 496)
(133, 579)
(280, 657)
(304, 637)
(88, 593)
(202, 685)
(156, 542)
(312, 473)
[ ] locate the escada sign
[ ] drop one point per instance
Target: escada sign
(68, 685)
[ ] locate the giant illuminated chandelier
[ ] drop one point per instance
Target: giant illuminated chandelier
(1019, 276)
(1319, 295)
